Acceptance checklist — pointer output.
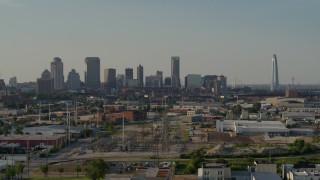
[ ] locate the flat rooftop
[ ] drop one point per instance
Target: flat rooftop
(30, 137)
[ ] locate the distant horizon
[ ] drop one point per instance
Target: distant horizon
(211, 37)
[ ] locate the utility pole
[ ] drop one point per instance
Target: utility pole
(28, 157)
(40, 111)
(122, 128)
(49, 111)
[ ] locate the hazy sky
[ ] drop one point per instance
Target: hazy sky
(229, 37)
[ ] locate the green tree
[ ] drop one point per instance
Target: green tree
(60, 170)
(96, 169)
(10, 172)
(19, 169)
(109, 127)
(197, 158)
(186, 136)
(237, 109)
(19, 130)
(256, 107)
(44, 169)
(78, 169)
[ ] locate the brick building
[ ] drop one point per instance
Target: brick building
(35, 140)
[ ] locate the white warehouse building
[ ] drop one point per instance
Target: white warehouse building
(246, 127)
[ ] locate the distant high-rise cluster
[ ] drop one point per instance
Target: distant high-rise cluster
(53, 81)
(274, 76)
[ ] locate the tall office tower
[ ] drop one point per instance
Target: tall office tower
(73, 82)
(120, 81)
(175, 71)
(220, 84)
(208, 81)
(192, 81)
(110, 78)
(57, 73)
(160, 74)
(275, 76)
(129, 73)
(13, 82)
(2, 84)
(167, 82)
(153, 81)
(140, 75)
(92, 72)
(45, 83)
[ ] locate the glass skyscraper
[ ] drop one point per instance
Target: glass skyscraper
(175, 71)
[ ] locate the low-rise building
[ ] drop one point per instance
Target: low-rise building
(286, 102)
(299, 116)
(13, 112)
(216, 171)
(152, 173)
(246, 127)
(264, 167)
(191, 106)
(264, 176)
(301, 171)
(53, 130)
(127, 116)
(260, 170)
(35, 140)
(191, 119)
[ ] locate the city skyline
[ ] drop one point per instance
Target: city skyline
(229, 38)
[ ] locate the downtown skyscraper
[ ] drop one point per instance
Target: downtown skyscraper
(92, 72)
(73, 82)
(140, 75)
(175, 72)
(57, 73)
(275, 76)
(110, 78)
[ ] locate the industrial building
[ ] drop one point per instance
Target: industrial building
(53, 130)
(246, 127)
(30, 141)
(286, 102)
(299, 116)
